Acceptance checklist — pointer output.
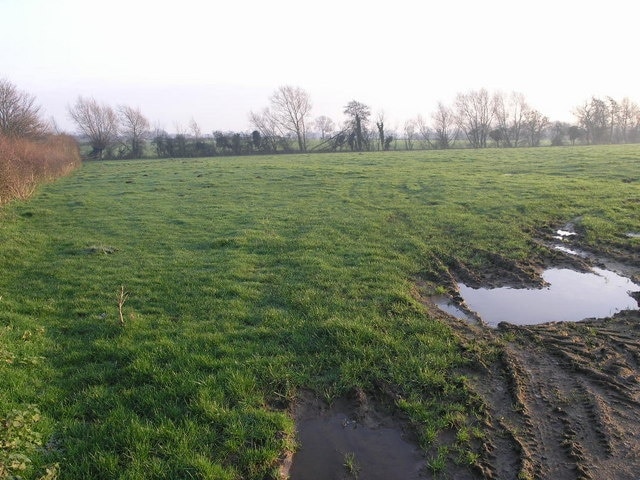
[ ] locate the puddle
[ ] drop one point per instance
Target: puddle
(343, 443)
(446, 304)
(571, 251)
(633, 235)
(570, 296)
(563, 234)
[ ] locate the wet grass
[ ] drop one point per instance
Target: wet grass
(249, 278)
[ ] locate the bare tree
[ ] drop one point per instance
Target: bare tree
(270, 130)
(409, 133)
(501, 116)
(594, 118)
(534, 125)
(613, 110)
(134, 128)
(474, 116)
(324, 125)
(600, 120)
(584, 115)
(98, 122)
(162, 142)
(626, 118)
(519, 110)
(199, 147)
(634, 131)
(290, 108)
(509, 112)
(445, 126)
(380, 127)
(424, 131)
(195, 129)
(19, 114)
(357, 124)
(53, 127)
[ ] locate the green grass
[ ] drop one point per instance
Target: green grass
(250, 278)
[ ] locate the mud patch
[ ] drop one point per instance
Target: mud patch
(352, 438)
(502, 272)
(562, 400)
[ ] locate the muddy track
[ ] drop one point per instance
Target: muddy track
(560, 400)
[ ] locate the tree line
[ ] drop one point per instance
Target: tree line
(475, 119)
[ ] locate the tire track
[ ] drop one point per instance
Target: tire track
(561, 400)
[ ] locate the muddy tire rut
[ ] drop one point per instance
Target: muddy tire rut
(561, 400)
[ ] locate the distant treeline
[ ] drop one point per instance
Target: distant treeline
(182, 145)
(164, 145)
(475, 119)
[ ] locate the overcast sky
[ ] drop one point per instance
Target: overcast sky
(216, 61)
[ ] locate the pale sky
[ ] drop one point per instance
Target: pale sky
(217, 61)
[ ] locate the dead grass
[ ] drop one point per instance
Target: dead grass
(25, 163)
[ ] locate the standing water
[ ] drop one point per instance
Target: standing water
(570, 296)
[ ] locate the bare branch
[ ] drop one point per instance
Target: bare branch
(122, 298)
(19, 114)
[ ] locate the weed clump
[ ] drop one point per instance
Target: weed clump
(18, 440)
(101, 250)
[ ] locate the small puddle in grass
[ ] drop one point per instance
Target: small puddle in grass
(446, 304)
(571, 251)
(338, 442)
(570, 296)
(564, 234)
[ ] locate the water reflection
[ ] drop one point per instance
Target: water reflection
(577, 253)
(563, 234)
(446, 304)
(570, 296)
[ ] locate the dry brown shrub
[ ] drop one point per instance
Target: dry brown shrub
(25, 163)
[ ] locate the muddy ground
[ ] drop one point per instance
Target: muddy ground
(353, 437)
(556, 400)
(559, 400)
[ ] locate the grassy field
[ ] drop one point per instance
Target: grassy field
(247, 279)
